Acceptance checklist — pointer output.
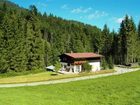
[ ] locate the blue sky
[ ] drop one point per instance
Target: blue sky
(94, 12)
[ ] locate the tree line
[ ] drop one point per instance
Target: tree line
(30, 40)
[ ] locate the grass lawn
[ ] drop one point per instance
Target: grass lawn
(114, 90)
(44, 76)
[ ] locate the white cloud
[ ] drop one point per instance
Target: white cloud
(65, 6)
(119, 20)
(97, 14)
(42, 4)
(81, 10)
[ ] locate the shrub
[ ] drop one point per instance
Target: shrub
(139, 61)
(87, 67)
(110, 63)
(57, 66)
(104, 64)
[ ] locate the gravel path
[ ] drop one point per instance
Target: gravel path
(118, 72)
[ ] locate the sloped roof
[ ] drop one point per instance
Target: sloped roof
(83, 55)
(51, 67)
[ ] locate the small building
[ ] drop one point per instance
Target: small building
(72, 62)
(50, 68)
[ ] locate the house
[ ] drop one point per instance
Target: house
(72, 62)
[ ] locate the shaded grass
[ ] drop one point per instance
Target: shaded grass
(13, 73)
(114, 90)
(46, 76)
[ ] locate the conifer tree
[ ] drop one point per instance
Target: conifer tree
(5, 42)
(35, 43)
(5, 6)
(106, 42)
(21, 58)
(123, 39)
(138, 44)
(128, 40)
(139, 31)
(3, 52)
(110, 63)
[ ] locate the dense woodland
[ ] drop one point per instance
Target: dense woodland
(30, 40)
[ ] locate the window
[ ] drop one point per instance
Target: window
(78, 68)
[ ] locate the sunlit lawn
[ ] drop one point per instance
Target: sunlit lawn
(44, 76)
(114, 90)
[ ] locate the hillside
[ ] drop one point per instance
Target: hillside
(30, 40)
(9, 4)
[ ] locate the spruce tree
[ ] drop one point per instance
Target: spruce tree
(128, 40)
(139, 31)
(21, 58)
(110, 63)
(123, 39)
(138, 44)
(105, 33)
(35, 43)
(3, 52)
(4, 6)
(5, 43)
(48, 53)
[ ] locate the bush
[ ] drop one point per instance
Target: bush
(87, 67)
(110, 63)
(104, 64)
(57, 66)
(139, 62)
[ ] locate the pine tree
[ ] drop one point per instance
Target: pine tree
(35, 43)
(33, 10)
(4, 7)
(21, 58)
(6, 28)
(106, 41)
(105, 33)
(133, 40)
(48, 53)
(97, 42)
(138, 44)
(110, 63)
(128, 40)
(3, 62)
(123, 39)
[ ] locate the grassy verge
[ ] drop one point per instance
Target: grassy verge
(114, 90)
(46, 76)
(13, 73)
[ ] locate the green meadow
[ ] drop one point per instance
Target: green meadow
(114, 90)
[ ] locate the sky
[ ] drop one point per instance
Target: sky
(94, 12)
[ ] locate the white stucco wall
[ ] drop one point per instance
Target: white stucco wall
(95, 66)
(75, 68)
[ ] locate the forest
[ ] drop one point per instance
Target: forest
(30, 40)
